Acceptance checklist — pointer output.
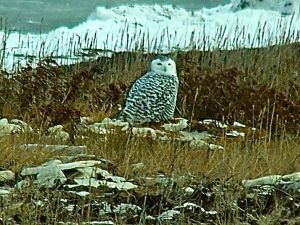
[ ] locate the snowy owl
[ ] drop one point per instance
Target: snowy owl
(152, 98)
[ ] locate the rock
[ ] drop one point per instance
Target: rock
(4, 192)
(291, 177)
(150, 218)
(96, 128)
(191, 136)
(7, 128)
(104, 208)
(87, 182)
(58, 133)
(6, 175)
(189, 190)
(176, 127)
(237, 124)
(187, 205)
(109, 124)
(171, 131)
(211, 212)
(82, 173)
(196, 140)
(80, 193)
(267, 180)
(214, 123)
(234, 133)
(121, 186)
(47, 174)
(70, 207)
(146, 132)
(85, 177)
(80, 164)
(127, 208)
(169, 215)
(289, 181)
(12, 127)
(215, 147)
(24, 126)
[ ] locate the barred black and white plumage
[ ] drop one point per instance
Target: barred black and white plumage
(152, 98)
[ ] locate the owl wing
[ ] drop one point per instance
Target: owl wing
(148, 98)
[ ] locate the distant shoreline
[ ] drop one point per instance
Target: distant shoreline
(46, 16)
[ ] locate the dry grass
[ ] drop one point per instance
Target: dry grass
(241, 159)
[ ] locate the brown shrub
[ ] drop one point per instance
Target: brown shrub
(212, 85)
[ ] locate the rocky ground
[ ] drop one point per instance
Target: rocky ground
(86, 188)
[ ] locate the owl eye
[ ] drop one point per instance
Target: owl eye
(169, 64)
(159, 64)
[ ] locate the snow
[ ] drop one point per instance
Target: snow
(156, 28)
(285, 7)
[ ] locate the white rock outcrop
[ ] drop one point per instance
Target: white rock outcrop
(13, 126)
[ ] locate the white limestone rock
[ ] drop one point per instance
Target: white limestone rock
(169, 215)
(215, 147)
(290, 180)
(146, 132)
(84, 173)
(189, 190)
(7, 128)
(267, 180)
(176, 127)
(58, 133)
(238, 124)
(187, 205)
(4, 192)
(6, 175)
(216, 123)
(24, 126)
(234, 133)
(47, 174)
(109, 123)
(97, 129)
(124, 208)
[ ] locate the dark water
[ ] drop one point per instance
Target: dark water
(45, 15)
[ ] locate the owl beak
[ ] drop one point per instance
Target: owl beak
(165, 68)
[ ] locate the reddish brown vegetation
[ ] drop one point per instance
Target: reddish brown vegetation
(52, 95)
(226, 95)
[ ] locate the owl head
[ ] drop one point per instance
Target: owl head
(163, 65)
